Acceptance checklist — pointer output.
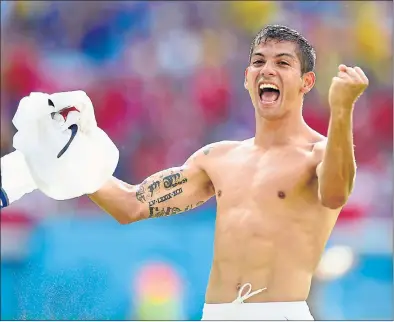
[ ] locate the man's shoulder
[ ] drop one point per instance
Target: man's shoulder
(221, 147)
(319, 145)
(316, 141)
(211, 152)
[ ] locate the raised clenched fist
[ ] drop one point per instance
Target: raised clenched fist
(347, 87)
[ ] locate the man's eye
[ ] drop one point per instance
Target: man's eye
(257, 62)
(284, 63)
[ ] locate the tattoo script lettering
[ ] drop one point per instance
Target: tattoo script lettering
(174, 180)
(154, 187)
(150, 188)
(166, 197)
(140, 194)
(156, 212)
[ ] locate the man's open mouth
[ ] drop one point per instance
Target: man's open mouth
(269, 93)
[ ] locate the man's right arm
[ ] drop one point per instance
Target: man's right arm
(164, 193)
(15, 178)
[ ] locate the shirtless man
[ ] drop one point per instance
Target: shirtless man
(278, 194)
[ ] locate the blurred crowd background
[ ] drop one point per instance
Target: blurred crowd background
(166, 78)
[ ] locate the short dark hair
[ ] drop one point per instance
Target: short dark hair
(306, 53)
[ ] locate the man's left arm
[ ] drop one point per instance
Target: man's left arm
(336, 172)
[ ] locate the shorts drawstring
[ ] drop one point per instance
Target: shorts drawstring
(241, 298)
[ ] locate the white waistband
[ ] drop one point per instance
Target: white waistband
(262, 305)
(263, 311)
(258, 311)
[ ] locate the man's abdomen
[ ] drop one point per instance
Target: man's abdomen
(280, 284)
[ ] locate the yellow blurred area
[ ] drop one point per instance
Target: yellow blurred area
(30, 8)
(252, 15)
(374, 40)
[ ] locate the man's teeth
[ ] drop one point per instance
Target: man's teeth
(262, 86)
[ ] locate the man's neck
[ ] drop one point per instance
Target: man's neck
(278, 132)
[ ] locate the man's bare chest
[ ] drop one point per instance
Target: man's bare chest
(270, 179)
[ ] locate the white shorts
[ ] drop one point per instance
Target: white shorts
(273, 311)
(240, 311)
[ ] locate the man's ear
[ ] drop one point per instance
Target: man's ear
(308, 81)
(246, 78)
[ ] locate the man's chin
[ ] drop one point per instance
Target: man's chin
(269, 112)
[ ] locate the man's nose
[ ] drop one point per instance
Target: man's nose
(267, 70)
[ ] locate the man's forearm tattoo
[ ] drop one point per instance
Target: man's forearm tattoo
(154, 187)
(190, 207)
(140, 194)
(174, 180)
(166, 197)
(150, 188)
(155, 212)
(207, 150)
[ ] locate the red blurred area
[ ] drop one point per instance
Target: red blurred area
(161, 97)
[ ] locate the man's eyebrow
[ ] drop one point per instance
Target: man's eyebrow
(277, 55)
(285, 54)
(258, 54)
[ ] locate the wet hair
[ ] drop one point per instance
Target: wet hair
(306, 53)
